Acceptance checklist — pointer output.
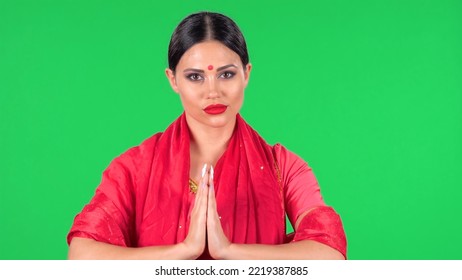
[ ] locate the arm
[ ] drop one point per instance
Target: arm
(221, 248)
(301, 250)
(191, 248)
(323, 224)
(85, 248)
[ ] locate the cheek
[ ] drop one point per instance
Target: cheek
(233, 88)
(189, 94)
(187, 99)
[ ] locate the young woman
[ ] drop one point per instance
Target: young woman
(208, 186)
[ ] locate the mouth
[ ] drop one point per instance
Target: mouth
(215, 109)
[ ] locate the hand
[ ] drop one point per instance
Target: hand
(218, 243)
(195, 240)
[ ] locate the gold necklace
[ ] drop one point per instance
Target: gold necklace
(193, 186)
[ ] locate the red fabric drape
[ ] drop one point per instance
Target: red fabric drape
(144, 197)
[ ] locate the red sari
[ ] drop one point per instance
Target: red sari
(144, 197)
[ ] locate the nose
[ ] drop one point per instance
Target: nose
(213, 90)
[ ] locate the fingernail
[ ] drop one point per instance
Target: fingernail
(203, 170)
(211, 172)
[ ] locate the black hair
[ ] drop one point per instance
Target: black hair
(206, 26)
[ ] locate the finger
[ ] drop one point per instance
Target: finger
(212, 214)
(200, 203)
(211, 174)
(198, 223)
(211, 192)
(205, 190)
(203, 183)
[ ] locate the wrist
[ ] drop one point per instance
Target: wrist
(186, 252)
(226, 253)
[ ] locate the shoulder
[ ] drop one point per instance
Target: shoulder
(145, 148)
(129, 169)
(138, 156)
(288, 161)
(301, 189)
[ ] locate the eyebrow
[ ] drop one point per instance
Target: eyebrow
(202, 71)
(226, 66)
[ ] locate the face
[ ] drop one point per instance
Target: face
(210, 80)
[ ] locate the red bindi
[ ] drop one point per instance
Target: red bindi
(210, 67)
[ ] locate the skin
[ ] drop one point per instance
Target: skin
(199, 86)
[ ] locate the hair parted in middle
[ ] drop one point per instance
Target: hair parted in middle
(206, 26)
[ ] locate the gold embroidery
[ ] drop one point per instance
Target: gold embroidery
(193, 186)
(278, 175)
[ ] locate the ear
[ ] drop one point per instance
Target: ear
(171, 78)
(248, 68)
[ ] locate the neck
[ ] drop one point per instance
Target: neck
(208, 143)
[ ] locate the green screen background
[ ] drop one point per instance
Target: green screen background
(369, 93)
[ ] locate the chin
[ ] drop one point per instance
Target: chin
(218, 121)
(215, 121)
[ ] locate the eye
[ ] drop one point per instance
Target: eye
(227, 75)
(194, 77)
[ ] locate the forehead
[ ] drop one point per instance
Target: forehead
(206, 53)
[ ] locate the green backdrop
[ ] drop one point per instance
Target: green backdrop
(369, 93)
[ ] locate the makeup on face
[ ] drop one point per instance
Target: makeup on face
(215, 109)
(210, 67)
(211, 97)
(196, 74)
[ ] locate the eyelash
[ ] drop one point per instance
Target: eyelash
(197, 77)
(228, 73)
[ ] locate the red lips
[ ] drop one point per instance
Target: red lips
(215, 109)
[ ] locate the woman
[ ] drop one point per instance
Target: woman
(149, 206)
